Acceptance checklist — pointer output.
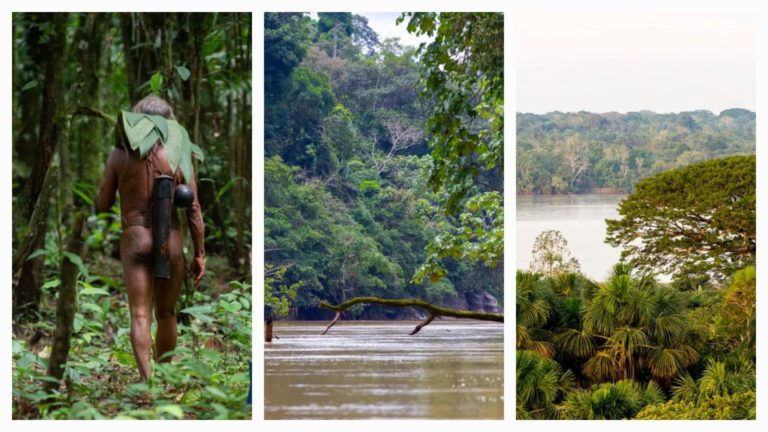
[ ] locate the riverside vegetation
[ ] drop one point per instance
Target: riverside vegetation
(383, 163)
(629, 346)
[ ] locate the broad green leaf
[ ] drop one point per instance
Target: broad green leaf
(48, 378)
(217, 393)
(76, 260)
(197, 152)
(36, 254)
(51, 283)
(227, 187)
(26, 360)
(210, 356)
(185, 164)
(173, 146)
(77, 324)
(29, 85)
(83, 196)
(106, 304)
(183, 72)
(222, 411)
(94, 291)
(200, 312)
(186, 156)
(124, 358)
(156, 82)
(137, 133)
(232, 307)
(131, 118)
(172, 409)
(141, 413)
(148, 142)
(191, 396)
(161, 124)
(201, 368)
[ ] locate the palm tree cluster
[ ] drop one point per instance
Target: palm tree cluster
(610, 350)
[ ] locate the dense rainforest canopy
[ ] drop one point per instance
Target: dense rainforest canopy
(632, 348)
(365, 192)
(72, 74)
(581, 152)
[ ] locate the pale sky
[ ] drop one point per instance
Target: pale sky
(622, 61)
(383, 23)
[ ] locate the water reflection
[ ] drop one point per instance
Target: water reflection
(581, 218)
(374, 369)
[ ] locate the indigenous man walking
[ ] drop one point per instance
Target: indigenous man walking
(145, 173)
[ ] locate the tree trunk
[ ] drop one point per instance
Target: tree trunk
(199, 25)
(25, 126)
(242, 191)
(87, 130)
(146, 47)
(131, 60)
(335, 38)
(51, 126)
(65, 305)
(268, 330)
(26, 299)
(37, 220)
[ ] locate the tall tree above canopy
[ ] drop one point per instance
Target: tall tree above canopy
(693, 221)
(463, 78)
(327, 21)
(338, 24)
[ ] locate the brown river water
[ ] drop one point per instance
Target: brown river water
(374, 369)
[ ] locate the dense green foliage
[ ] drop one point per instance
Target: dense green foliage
(694, 223)
(463, 76)
(73, 73)
(351, 201)
(578, 152)
(631, 347)
(208, 378)
(738, 406)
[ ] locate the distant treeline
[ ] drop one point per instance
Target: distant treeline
(583, 152)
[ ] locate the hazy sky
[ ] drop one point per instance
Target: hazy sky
(383, 23)
(620, 61)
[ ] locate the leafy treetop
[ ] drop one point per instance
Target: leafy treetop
(695, 223)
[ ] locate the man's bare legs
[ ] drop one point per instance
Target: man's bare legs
(166, 294)
(136, 253)
(144, 290)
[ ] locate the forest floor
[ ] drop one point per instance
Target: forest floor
(208, 379)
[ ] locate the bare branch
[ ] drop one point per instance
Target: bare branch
(434, 311)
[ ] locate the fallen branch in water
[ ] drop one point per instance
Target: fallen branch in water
(432, 310)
